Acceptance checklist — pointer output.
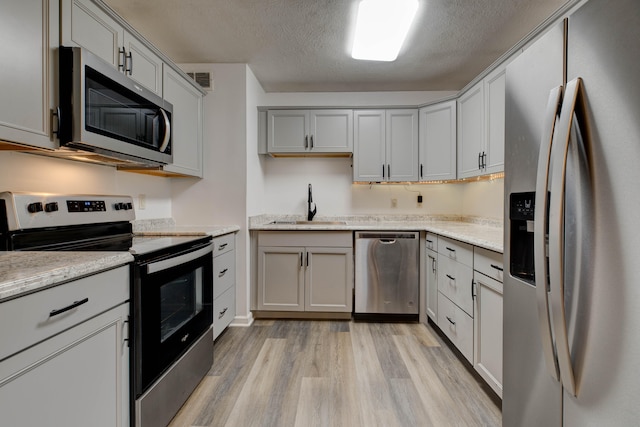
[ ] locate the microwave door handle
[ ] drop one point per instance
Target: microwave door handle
(556, 234)
(167, 131)
(540, 231)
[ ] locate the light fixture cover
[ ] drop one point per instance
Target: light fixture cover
(381, 27)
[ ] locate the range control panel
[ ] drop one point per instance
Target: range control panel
(36, 210)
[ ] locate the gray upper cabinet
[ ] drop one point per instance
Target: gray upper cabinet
(310, 132)
(29, 40)
(438, 142)
(86, 25)
(187, 122)
(481, 112)
(385, 145)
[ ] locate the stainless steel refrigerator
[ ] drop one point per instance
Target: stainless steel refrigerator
(572, 223)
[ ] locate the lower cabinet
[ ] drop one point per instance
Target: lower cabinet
(302, 271)
(488, 317)
(79, 374)
(464, 298)
(224, 282)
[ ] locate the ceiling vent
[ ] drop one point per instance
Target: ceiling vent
(203, 78)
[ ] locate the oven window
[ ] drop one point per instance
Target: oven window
(180, 301)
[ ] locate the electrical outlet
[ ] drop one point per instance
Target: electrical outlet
(142, 201)
(394, 202)
(420, 198)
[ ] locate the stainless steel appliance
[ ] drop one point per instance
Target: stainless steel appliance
(171, 288)
(387, 274)
(571, 317)
(104, 112)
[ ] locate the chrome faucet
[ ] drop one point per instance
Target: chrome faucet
(310, 213)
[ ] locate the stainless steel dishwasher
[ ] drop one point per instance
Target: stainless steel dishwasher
(387, 274)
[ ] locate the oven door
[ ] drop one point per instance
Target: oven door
(173, 307)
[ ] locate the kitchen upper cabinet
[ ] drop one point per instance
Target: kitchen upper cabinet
(309, 132)
(385, 145)
(494, 92)
(481, 115)
(187, 120)
(471, 136)
(84, 23)
(305, 272)
(438, 142)
(29, 40)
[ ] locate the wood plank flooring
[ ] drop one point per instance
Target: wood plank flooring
(281, 373)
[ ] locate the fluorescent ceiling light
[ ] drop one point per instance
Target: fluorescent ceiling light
(381, 28)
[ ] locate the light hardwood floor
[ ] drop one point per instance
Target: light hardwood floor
(281, 373)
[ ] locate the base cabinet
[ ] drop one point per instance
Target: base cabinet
(224, 282)
(488, 318)
(77, 377)
(305, 271)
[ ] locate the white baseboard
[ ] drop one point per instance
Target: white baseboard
(243, 321)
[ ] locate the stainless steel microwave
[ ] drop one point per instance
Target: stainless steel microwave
(103, 111)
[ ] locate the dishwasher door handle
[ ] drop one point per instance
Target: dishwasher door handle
(387, 241)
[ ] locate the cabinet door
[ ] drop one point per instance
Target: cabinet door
(494, 89)
(187, 120)
(331, 131)
(402, 145)
(76, 378)
(280, 278)
(488, 331)
(369, 158)
(438, 142)
(29, 38)
(329, 279)
(432, 285)
(287, 131)
(84, 24)
(471, 131)
(144, 66)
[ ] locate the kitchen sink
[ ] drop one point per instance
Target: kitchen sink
(301, 222)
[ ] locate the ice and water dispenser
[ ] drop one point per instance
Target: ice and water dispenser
(521, 215)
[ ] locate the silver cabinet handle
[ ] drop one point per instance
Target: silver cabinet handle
(223, 272)
(122, 59)
(540, 230)
(128, 60)
(556, 233)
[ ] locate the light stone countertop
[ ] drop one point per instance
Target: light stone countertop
(26, 272)
(168, 227)
(485, 233)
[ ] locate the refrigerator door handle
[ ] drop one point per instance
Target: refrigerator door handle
(541, 226)
(556, 234)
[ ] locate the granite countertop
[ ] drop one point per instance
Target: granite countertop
(25, 272)
(485, 233)
(167, 227)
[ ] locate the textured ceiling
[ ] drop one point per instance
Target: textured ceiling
(303, 45)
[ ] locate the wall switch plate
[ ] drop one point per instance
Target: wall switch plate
(394, 202)
(142, 201)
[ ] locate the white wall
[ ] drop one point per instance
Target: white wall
(220, 197)
(28, 172)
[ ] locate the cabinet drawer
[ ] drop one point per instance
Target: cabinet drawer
(456, 325)
(224, 310)
(432, 241)
(453, 249)
(488, 263)
(223, 244)
(224, 272)
(26, 320)
(455, 281)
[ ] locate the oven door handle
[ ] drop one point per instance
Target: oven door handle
(166, 264)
